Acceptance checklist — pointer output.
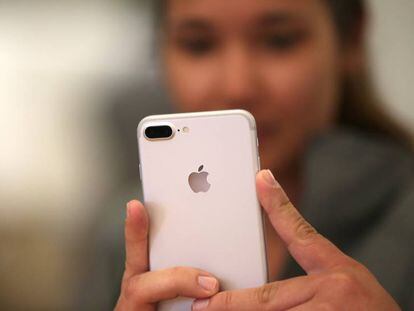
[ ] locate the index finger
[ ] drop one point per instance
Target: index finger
(312, 251)
(136, 239)
(281, 295)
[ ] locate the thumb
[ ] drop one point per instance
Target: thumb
(312, 251)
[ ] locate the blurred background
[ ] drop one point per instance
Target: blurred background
(75, 79)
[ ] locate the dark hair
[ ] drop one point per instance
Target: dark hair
(346, 13)
(360, 107)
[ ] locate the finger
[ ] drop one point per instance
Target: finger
(136, 239)
(312, 251)
(312, 305)
(274, 296)
(155, 286)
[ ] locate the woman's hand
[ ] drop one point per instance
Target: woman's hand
(141, 290)
(333, 281)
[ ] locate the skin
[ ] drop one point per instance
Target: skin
(333, 281)
(281, 60)
(284, 62)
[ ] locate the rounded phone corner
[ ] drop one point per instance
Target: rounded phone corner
(141, 125)
(248, 116)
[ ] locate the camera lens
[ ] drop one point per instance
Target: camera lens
(158, 132)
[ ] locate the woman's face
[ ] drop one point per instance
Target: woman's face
(279, 59)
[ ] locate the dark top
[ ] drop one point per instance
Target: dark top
(358, 192)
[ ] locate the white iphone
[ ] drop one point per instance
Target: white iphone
(198, 175)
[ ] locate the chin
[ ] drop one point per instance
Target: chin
(278, 157)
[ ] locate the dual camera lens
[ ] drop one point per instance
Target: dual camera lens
(159, 132)
(163, 132)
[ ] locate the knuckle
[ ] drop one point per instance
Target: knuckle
(325, 306)
(128, 266)
(177, 271)
(343, 282)
(225, 300)
(265, 294)
(135, 237)
(279, 201)
(356, 266)
(284, 204)
(304, 229)
(228, 299)
(175, 274)
(130, 289)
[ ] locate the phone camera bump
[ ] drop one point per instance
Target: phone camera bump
(159, 132)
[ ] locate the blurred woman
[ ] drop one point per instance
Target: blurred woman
(300, 68)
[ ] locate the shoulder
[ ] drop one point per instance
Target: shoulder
(361, 152)
(354, 178)
(401, 214)
(359, 192)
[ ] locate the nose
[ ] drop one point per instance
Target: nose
(237, 79)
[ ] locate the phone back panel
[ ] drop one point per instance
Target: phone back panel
(221, 230)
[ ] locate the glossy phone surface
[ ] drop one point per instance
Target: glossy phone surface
(199, 189)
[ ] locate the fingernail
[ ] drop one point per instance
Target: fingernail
(270, 179)
(200, 304)
(207, 282)
(128, 209)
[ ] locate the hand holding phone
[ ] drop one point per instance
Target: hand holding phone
(142, 289)
(333, 278)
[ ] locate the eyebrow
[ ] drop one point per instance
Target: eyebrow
(277, 18)
(266, 20)
(193, 24)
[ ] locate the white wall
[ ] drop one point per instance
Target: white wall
(58, 62)
(392, 48)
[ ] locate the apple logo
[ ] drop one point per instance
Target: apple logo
(198, 181)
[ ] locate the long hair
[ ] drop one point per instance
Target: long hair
(360, 106)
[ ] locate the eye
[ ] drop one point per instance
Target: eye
(197, 46)
(281, 41)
